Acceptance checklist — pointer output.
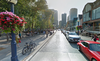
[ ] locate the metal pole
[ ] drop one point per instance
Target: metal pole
(78, 28)
(13, 42)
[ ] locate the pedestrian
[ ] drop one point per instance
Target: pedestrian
(94, 37)
(19, 34)
(46, 33)
(10, 36)
(17, 40)
(28, 34)
(50, 33)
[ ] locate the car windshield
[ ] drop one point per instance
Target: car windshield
(95, 47)
(67, 31)
(72, 34)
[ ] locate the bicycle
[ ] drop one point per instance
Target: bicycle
(28, 47)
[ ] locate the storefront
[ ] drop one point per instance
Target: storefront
(91, 17)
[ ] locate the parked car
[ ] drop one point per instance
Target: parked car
(91, 49)
(66, 33)
(73, 37)
(63, 31)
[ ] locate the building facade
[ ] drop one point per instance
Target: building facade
(91, 17)
(55, 17)
(63, 19)
(60, 24)
(73, 14)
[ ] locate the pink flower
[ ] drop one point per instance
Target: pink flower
(5, 29)
(5, 22)
(13, 29)
(7, 18)
(2, 28)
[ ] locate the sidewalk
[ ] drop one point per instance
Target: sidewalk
(5, 54)
(4, 43)
(87, 38)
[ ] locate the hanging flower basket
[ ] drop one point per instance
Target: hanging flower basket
(11, 22)
(79, 27)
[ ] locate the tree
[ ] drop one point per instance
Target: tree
(37, 7)
(4, 5)
(31, 10)
(48, 15)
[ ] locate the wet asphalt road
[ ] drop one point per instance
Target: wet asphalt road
(59, 49)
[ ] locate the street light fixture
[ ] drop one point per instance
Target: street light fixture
(78, 26)
(12, 1)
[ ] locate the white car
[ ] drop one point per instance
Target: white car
(66, 33)
(73, 37)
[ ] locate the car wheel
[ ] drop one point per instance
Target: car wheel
(79, 48)
(93, 59)
(68, 39)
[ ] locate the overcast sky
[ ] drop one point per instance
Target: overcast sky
(64, 6)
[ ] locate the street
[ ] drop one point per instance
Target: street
(59, 49)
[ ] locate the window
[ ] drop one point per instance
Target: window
(72, 34)
(93, 14)
(96, 13)
(85, 44)
(84, 17)
(95, 47)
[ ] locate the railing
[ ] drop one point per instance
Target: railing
(95, 30)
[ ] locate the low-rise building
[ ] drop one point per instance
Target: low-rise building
(91, 17)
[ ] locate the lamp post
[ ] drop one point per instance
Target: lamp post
(13, 42)
(78, 28)
(54, 27)
(64, 26)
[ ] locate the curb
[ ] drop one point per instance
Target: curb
(35, 51)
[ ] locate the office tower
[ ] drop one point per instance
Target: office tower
(73, 14)
(60, 24)
(64, 19)
(55, 17)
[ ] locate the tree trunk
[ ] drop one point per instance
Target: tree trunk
(32, 29)
(7, 37)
